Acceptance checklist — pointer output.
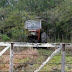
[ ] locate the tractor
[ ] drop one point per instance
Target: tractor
(37, 34)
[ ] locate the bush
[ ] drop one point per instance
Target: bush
(19, 35)
(0, 37)
(5, 37)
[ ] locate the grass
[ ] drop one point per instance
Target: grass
(42, 54)
(53, 65)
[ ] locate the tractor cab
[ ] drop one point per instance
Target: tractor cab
(33, 25)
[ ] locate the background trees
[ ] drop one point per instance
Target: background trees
(56, 16)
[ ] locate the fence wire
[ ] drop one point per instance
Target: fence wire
(29, 59)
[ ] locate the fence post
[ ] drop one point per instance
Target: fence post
(11, 57)
(63, 58)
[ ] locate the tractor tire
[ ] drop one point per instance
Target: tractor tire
(43, 37)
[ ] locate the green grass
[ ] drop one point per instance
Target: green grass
(24, 60)
(53, 65)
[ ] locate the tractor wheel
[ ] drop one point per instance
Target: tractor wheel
(43, 37)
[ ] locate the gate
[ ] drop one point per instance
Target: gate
(12, 45)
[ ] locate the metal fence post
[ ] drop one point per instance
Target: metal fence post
(11, 57)
(63, 58)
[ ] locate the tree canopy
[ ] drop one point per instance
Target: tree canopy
(56, 18)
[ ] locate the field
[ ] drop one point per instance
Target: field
(29, 59)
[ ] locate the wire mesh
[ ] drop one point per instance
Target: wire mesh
(29, 59)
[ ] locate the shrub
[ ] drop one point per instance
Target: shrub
(5, 37)
(0, 36)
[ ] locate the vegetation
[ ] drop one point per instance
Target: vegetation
(29, 59)
(56, 16)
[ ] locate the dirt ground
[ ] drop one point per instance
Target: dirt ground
(23, 56)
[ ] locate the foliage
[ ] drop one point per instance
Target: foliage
(56, 16)
(6, 38)
(58, 21)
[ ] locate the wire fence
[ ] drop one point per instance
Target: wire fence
(28, 59)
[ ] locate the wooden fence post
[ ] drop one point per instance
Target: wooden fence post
(11, 57)
(63, 58)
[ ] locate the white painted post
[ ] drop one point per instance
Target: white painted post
(11, 57)
(63, 58)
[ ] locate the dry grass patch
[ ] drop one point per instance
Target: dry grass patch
(28, 53)
(25, 57)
